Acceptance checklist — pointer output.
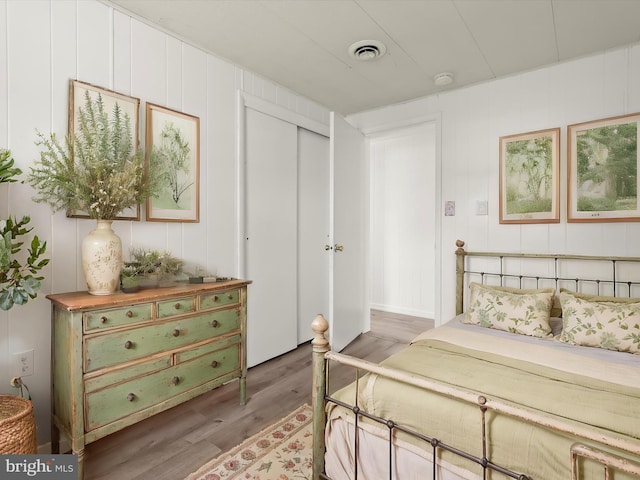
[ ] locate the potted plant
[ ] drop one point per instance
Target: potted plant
(130, 277)
(155, 266)
(98, 171)
(19, 279)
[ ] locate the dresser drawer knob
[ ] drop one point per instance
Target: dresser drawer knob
(215, 324)
(175, 380)
(215, 364)
(231, 296)
(215, 298)
(176, 332)
(103, 319)
(177, 306)
(128, 344)
(129, 314)
(131, 397)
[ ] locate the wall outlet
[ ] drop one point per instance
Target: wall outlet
(23, 363)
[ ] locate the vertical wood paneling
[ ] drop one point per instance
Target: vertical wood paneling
(219, 185)
(94, 46)
(64, 236)
(149, 63)
(194, 239)
(633, 73)
(122, 54)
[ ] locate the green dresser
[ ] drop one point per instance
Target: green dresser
(121, 358)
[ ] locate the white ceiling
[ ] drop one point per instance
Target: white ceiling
(303, 44)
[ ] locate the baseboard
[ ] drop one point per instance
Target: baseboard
(402, 311)
(45, 448)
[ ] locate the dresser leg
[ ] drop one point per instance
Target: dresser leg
(80, 454)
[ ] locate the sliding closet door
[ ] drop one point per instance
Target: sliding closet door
(313, 230)
(271, 236)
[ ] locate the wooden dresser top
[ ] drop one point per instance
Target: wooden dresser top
(83, 300)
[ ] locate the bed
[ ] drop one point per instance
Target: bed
(536, 377)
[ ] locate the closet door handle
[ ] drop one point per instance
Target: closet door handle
(338, 248)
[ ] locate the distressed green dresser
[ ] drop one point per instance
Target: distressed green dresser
(121, 358)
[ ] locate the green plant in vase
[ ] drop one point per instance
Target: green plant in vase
(100, 172)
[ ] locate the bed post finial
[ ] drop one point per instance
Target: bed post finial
(320, 347)
(460, 253)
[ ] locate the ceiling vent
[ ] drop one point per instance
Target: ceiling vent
(367, 50)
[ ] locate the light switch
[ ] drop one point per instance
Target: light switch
(481, 207)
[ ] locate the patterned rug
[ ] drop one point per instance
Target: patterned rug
(282, 451)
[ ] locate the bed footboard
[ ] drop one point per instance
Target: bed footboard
(320, 397)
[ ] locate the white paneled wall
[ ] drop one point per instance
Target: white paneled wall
(473, 119)
(43, 44)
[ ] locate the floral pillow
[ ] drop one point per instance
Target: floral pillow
(612, 325)
(513, 310)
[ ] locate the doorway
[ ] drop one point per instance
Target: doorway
(403, 220)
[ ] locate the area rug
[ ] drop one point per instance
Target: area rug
(282, 451)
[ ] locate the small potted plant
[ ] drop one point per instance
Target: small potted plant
(130, 277)
(157, 267)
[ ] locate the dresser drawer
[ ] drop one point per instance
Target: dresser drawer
(177, 306)
(109, 404)
(118, 347)
(115, 317)
(219, 299)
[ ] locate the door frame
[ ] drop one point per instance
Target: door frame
(373, 128)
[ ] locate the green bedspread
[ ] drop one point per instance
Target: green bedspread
(599, 397)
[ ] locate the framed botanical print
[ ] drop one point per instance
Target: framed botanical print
(129, 106)
(529, 177)
(174, 139)
(602, 174)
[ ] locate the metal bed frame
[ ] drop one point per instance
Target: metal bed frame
(322, 357)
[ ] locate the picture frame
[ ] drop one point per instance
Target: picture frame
(128, 105)
(530, 177)
(175, 137)
(602, 170)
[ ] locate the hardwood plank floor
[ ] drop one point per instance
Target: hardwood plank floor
(174, 443)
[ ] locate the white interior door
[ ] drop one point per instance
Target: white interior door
(271, 236)
(349, 222)
(313, 230)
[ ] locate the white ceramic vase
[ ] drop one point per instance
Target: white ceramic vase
(102, 259)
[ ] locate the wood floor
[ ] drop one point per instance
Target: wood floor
(172, 444)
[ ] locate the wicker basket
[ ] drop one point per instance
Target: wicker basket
(17, 426)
